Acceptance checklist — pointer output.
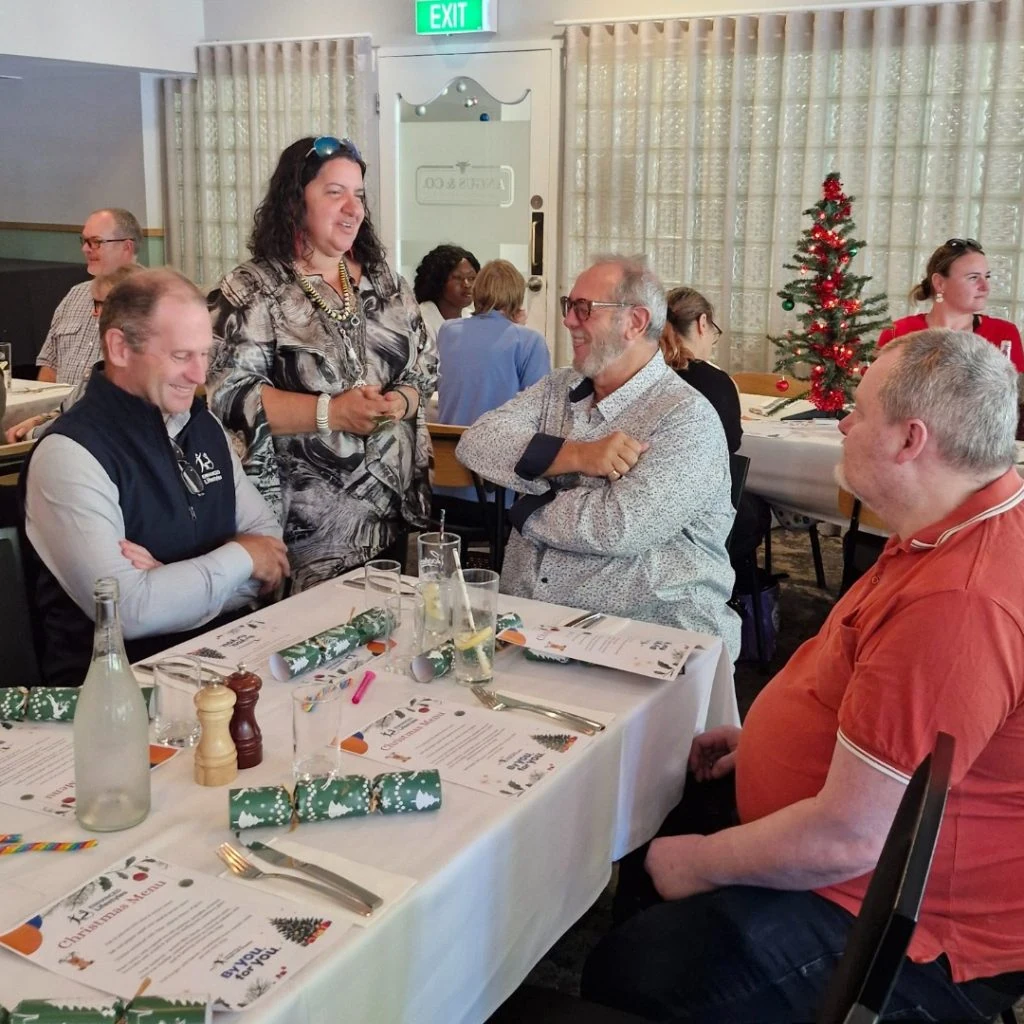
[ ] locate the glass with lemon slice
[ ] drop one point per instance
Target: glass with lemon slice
(473, 594)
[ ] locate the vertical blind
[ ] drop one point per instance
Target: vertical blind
(699, 142)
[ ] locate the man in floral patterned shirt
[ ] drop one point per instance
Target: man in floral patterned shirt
(623, 469)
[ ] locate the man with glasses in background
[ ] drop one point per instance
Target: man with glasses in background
(111, 238)
(622, 467)
(138, 482)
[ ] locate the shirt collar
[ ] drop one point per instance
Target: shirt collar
(625, 395)
(1003, 494)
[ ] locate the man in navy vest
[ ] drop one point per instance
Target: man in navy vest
(138, 481)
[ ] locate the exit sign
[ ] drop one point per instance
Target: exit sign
(449, 17)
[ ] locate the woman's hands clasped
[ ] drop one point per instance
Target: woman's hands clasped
(361, 410)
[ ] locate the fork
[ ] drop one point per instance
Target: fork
(499, 702)
(244, 868)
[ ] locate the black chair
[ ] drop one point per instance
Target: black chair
(862, 983)
(17, 648)
(748, 578)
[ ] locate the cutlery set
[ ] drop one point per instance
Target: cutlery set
(328, 883)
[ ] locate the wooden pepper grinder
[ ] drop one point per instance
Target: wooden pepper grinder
(216, 758)
(245, 730)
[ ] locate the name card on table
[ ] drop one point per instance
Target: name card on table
(654, 657)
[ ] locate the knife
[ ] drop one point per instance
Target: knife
(368, 901)
(584, 621)
(403, 588)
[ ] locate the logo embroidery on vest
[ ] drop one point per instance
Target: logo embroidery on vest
(210, 473)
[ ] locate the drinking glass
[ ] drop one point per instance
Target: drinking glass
(437, 555)
(406, 640)
(316, 721)
(382, 578)
(474, 604)
(437, 622)
(175, 682)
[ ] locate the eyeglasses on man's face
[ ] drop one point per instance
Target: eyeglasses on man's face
(327, 146)
(95, 243)
(189, 474)
(584, 307)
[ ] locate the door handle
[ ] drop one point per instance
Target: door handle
(536, 244)
(535, 284)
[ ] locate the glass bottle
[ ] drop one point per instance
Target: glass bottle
(111, 729)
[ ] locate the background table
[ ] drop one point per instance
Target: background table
(499, 880)
(32, 397)
(793, 462)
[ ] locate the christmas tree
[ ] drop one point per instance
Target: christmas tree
(833, 342)
(303, 931)
(560, 741)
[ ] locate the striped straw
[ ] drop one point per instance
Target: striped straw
(85, 844)
(10, 837)
(310, 703)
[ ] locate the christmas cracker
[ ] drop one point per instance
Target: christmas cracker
(437, 661)
(331, 644)
(353, 796)
(141, 1010)
(44, 703)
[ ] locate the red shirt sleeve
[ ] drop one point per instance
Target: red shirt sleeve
(886, 336)
(962, 680)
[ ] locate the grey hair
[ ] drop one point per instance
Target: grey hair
(963, 388)
(639, 286)
(126, 225)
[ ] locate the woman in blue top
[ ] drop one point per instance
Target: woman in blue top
(488, 358)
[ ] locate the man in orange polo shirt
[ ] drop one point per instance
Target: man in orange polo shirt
(931, 639)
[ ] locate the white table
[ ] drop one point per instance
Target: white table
(31, 398)
(793, 462)
(499, 880)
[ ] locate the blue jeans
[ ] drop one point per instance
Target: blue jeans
(745, 954)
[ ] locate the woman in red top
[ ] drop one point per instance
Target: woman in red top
(956, 280)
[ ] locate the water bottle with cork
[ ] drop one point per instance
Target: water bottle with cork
(111, 729)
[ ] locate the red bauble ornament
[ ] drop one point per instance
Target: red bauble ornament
(817, 371)
(782, 384)
(828, 285)
(862, 369)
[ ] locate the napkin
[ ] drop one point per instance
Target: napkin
(389, 886)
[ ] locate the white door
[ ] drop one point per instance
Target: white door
(468, 154)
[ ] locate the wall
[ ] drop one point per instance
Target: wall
(390, 22)
(157, 34)
(75, 140)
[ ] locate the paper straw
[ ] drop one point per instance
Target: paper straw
(85, 844)
(310, 703)
(10, 837)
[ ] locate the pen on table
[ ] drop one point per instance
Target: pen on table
(363, 687)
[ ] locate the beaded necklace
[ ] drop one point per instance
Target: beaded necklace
(348, 296)
(347, 314)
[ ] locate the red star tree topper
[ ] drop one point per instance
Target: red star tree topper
(835, 342)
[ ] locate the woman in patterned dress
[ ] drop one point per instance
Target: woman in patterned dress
(323, 368)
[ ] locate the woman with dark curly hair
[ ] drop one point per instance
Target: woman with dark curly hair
(444, 285)
(323, 367)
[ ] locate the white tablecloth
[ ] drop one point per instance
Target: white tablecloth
(499, 880)
(32, 397)
(792, 462)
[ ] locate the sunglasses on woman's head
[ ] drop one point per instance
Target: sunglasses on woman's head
(327, 146)
(965, 243)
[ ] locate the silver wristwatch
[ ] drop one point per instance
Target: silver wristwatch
(323, 405)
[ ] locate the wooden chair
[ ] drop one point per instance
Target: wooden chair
(764, 384)
(449, 472)
(860, 515)
(875, 950)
